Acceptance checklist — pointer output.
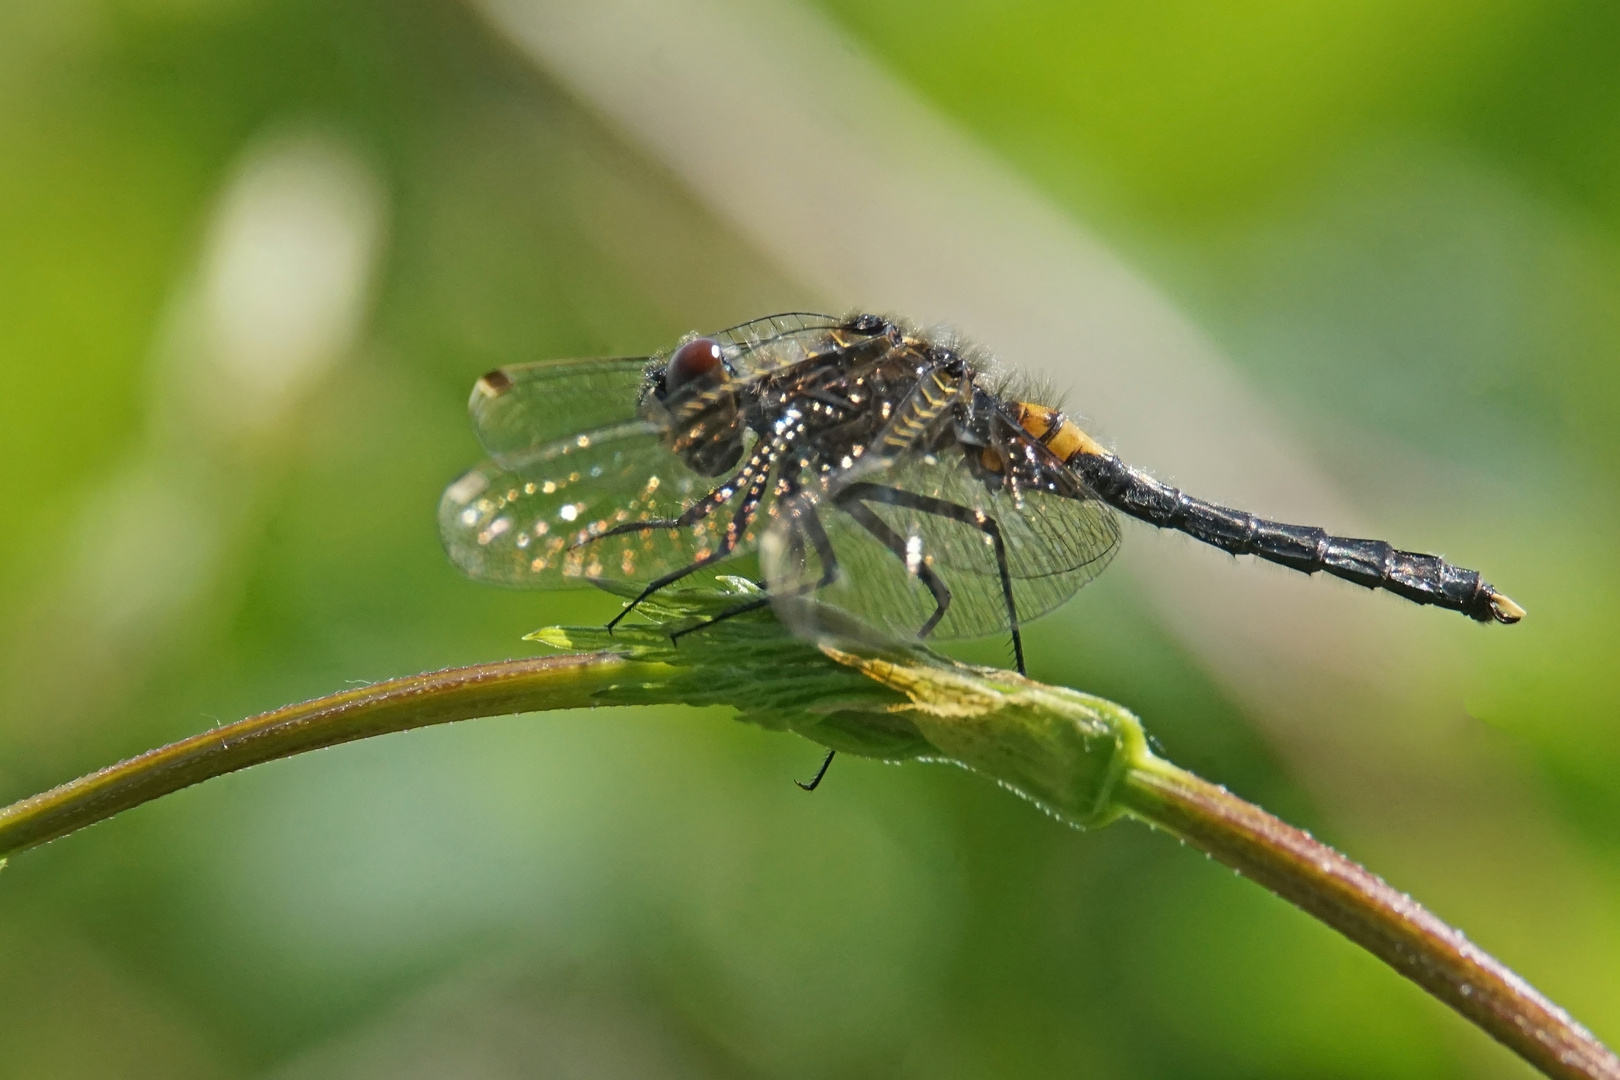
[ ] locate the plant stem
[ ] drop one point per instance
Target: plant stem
(1361, 906)
(439, 697)
(1081, 757)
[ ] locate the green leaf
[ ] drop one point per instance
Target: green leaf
(854, 691)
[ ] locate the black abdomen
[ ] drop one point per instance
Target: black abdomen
(1375, 564)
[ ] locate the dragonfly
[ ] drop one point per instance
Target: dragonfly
(891, 474)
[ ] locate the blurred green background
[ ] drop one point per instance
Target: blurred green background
(1399, 221)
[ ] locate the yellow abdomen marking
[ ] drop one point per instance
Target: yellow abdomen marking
(1056, 432)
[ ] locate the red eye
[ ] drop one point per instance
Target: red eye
(696, 359)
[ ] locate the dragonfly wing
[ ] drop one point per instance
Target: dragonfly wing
(518, 411)
(521, 410)
(582, 448)
(778, 341)
(918, 522)
(1046, 533)
(542, 527)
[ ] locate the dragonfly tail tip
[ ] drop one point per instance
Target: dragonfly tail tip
(1505, 610)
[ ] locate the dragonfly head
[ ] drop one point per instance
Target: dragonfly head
(699, 360)
(705, 425)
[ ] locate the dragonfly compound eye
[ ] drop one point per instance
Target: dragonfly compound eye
(697, 359)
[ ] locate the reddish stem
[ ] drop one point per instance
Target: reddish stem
(1361, 906)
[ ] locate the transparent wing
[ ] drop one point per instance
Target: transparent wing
(523, 409)
(543, 527)
(568, 515)
(518, 411)
(905, 537)
(581, 451)
(778, 341)
(1046, 534)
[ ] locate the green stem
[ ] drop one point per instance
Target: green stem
(1361, 906)
(439, 697)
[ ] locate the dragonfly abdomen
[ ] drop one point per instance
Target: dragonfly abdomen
(1374, 564)
(1056, 432)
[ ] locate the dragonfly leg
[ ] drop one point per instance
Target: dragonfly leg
(730, 613)
(692, 514)
(829, 572)
(867, 519)
(811, 526)
(727, 544)
(859, 493)
(815, 781)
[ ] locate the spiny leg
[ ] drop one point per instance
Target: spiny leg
(815, 781)
(699, 510)
(829, 572)
(867, 519)
(986, 524)
(730, 613)
(812, 527)
(727, 544)
(830, 397)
